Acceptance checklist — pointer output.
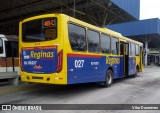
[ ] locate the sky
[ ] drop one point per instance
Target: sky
(149, 9)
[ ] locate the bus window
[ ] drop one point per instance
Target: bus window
(121, 48)
(93, 41)
(39, 30)
(11, 49)
(130, 50)
(105, 43)
(77, 37)
(15, 49)
(1, 46)
(137, 50)
(115, 46)
(133, 49)
(127, 48)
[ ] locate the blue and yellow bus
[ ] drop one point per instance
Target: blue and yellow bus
(59, 49)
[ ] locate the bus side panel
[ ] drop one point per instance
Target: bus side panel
(83, 69)
(117, 67)
(115, 63)
(132, 65)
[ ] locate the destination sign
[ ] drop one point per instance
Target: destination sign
(49, 23)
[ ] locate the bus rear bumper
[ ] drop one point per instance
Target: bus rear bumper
(44, 78)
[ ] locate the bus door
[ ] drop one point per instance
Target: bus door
(126, 59)
(122, 46)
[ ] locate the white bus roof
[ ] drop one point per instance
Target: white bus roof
(9, 37)
(2, 36)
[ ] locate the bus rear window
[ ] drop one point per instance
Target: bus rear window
(39, 30)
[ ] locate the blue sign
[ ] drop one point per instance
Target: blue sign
(3, 59)
(39, 59)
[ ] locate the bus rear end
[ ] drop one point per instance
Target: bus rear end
(41, 49)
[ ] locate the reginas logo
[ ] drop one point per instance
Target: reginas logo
(112, 61)
(41, 54)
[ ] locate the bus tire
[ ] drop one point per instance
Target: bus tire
(108, 78)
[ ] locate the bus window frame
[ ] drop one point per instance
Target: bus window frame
(138, 50)
(85, 36)
(130, 49)
(101, 44)
(100, 52)
(118, 54)
(133, 53)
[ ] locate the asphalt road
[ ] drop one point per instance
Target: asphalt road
(144, 89)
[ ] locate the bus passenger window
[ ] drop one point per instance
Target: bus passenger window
(105, 43)
(127, 48)
(77, 37)
(1, 46)
(115, 46)
(137, 50)
(130, 50)
(133, 49)
(93, 41)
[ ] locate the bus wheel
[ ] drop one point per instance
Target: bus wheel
(108, 78)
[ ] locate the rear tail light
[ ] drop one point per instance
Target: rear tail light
(59, 61)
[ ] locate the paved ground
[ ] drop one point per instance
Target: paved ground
(144, 89)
